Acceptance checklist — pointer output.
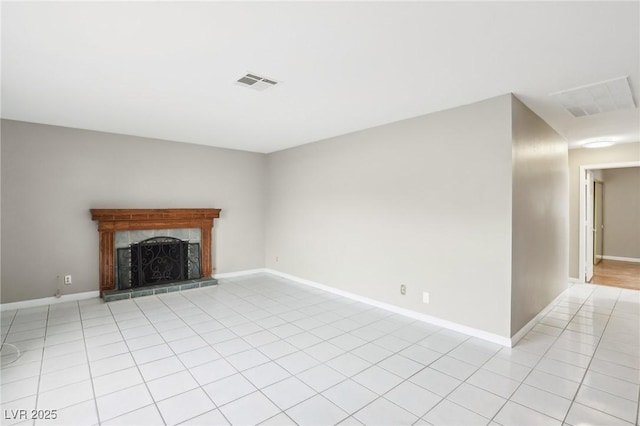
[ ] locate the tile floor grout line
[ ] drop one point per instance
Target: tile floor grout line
(316, 393)
(422, 369)
(252, 348)
(326, 340)
(13, 317)
(86, 352)
(550, 347)
(321, 362)
(320, 393)
(607, 392)
(538, 362)
(201, 387)
(616, 363)
(460, 384)
(592, 357)
(44, 342)
(179, 360)
(4, 338)
(260, 390)
(130, 353)
(347, 319)
(586, 371)
(638, 407)
(281, 413)
(390, 333)
(387, 333)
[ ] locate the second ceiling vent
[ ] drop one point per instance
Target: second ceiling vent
(605, 96)
(256, 82)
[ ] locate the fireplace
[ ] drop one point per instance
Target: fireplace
(114, 223)
(157, 260)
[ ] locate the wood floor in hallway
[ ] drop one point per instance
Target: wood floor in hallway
(617, 274)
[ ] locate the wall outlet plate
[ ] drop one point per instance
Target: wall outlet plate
(403, 289)
(425, 297)
(67, 279)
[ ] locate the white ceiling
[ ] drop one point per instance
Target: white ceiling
(167, 69)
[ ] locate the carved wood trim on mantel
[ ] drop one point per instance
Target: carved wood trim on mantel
(112, 220)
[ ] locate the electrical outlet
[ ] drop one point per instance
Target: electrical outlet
(276, 258)
(425, 297)
(403, 289)
(67, 279)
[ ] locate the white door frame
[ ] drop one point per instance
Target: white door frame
(587, 224)
(582, 252)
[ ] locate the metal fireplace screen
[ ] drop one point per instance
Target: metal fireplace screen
(157, 260)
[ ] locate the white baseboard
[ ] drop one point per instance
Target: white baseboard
(481, 334)
(535, 320)
(573, 281)
(240, 273)
(49, 300)
(622, 259)
(91, 294)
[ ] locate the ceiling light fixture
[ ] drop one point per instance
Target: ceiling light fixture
(599, 144)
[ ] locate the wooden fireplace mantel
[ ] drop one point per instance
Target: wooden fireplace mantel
(112, 220)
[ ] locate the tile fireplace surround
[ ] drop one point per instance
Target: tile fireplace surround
(112, 220)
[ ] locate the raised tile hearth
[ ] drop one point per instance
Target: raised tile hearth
(113, 295)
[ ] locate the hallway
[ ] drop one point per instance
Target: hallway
(617, 274)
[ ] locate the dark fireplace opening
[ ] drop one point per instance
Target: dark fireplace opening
(157, 260)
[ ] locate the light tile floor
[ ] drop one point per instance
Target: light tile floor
(263, 350)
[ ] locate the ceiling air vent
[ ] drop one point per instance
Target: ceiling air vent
(256, 82)
(606, 96)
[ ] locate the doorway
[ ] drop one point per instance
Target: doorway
(591, 229)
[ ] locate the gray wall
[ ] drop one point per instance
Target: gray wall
(424, 202)
(621, 212)
(583, 157)
(540, 216)
(52, 176)
(1, 123)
